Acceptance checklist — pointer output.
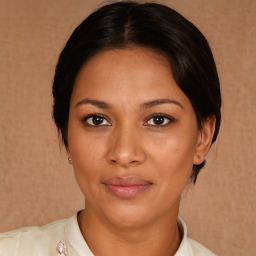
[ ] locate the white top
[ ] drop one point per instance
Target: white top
(66, 236)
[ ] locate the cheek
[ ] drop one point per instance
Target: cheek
(173, 157)
(174, 173)
(87, 165)
(87, 154)
(82, 147)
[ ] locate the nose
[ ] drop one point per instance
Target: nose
(126, 148)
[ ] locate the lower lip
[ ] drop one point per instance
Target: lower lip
(127, 192)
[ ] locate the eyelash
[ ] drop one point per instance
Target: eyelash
(167, 120)
(86, 118)
(164, 116)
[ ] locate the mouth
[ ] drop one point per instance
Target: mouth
(127, 187)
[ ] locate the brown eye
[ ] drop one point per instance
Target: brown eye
(97, 120)
(159, 120)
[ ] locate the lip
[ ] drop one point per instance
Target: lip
(127, 187)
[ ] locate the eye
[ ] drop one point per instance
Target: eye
(96, 120)
(159, 120)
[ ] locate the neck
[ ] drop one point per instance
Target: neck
(105, 239)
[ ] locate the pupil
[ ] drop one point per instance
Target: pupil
(97, 120)
(158, 120)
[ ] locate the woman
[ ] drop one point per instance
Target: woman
(137, 103)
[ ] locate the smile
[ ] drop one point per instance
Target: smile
(126, 187)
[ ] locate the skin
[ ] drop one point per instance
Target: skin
(129, 142)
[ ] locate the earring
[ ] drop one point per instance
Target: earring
(69, 160)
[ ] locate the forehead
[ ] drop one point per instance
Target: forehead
(130, 73)
(113, 60)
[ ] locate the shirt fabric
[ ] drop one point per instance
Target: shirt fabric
(42, 241)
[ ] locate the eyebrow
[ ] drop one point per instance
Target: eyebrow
(97, 103)
(149, 104)
(157, 102)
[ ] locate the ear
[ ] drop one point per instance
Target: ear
(204, 141)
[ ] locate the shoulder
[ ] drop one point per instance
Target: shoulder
(198, 249)
(189, 247)
(28, 241)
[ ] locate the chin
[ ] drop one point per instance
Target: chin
(127, 216)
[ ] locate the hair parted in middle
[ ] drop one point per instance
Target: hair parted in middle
(127, 24)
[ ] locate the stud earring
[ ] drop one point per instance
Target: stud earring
(69, 160)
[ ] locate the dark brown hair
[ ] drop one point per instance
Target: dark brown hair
(130, 24)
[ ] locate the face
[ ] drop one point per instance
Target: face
(132, 135)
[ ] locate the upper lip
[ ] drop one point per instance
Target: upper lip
(126, 181)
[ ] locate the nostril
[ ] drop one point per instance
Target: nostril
(124, 162)
(125, 153)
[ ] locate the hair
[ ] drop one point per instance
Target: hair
(127, 24)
